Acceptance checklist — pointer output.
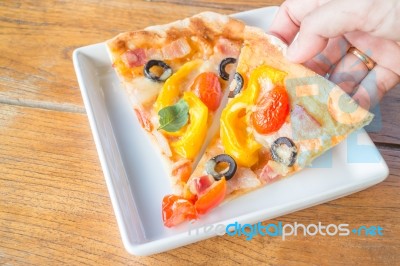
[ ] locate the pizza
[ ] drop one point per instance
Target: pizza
(175, 76)
(223, 130)
(280, 116)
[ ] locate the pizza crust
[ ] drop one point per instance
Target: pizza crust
(204, 26)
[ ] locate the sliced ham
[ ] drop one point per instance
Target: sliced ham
(301, 113)
(267, 174)
(176, 49)
(154, 53)
(143, 120)
(304, 125)
(227, 47)
(199, 185)
(134, 58)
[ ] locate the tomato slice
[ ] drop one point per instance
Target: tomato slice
(212, 198)
(271, 111)
(176, 210)
(208, 88)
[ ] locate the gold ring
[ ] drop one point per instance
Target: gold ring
(368, 62)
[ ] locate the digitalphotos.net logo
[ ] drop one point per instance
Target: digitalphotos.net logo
(284, 231)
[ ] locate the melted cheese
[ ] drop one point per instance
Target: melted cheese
(142, 90)
(267, 140)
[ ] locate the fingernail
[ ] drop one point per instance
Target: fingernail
(292, 51)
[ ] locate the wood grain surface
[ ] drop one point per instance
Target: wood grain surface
(54, 205)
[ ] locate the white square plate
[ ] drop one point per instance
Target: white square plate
(137, 183)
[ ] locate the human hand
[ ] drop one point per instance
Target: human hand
(328, 28)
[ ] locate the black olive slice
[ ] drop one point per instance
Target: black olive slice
(222, 72)
(239, 85)
(278, 155)
(222, 158)
(166, 73)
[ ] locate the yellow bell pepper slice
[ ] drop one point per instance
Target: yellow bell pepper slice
(189, 144)
(171, 91)
(277, 77)
(237, 141)
(236, 138)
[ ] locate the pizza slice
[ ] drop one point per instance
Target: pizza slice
(279, 118)
(175, 76)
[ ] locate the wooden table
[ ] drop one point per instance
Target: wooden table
(54, 204)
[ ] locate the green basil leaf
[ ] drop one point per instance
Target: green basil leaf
(174, 117)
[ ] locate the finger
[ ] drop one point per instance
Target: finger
(324, 62)
(385, 53)
(383, 21)
(286, 23)
(332, 19)
(284, 26)
(372, 88)
(349, 72)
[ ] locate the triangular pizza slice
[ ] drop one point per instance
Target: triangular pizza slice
(175, 76)
(279, 118)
